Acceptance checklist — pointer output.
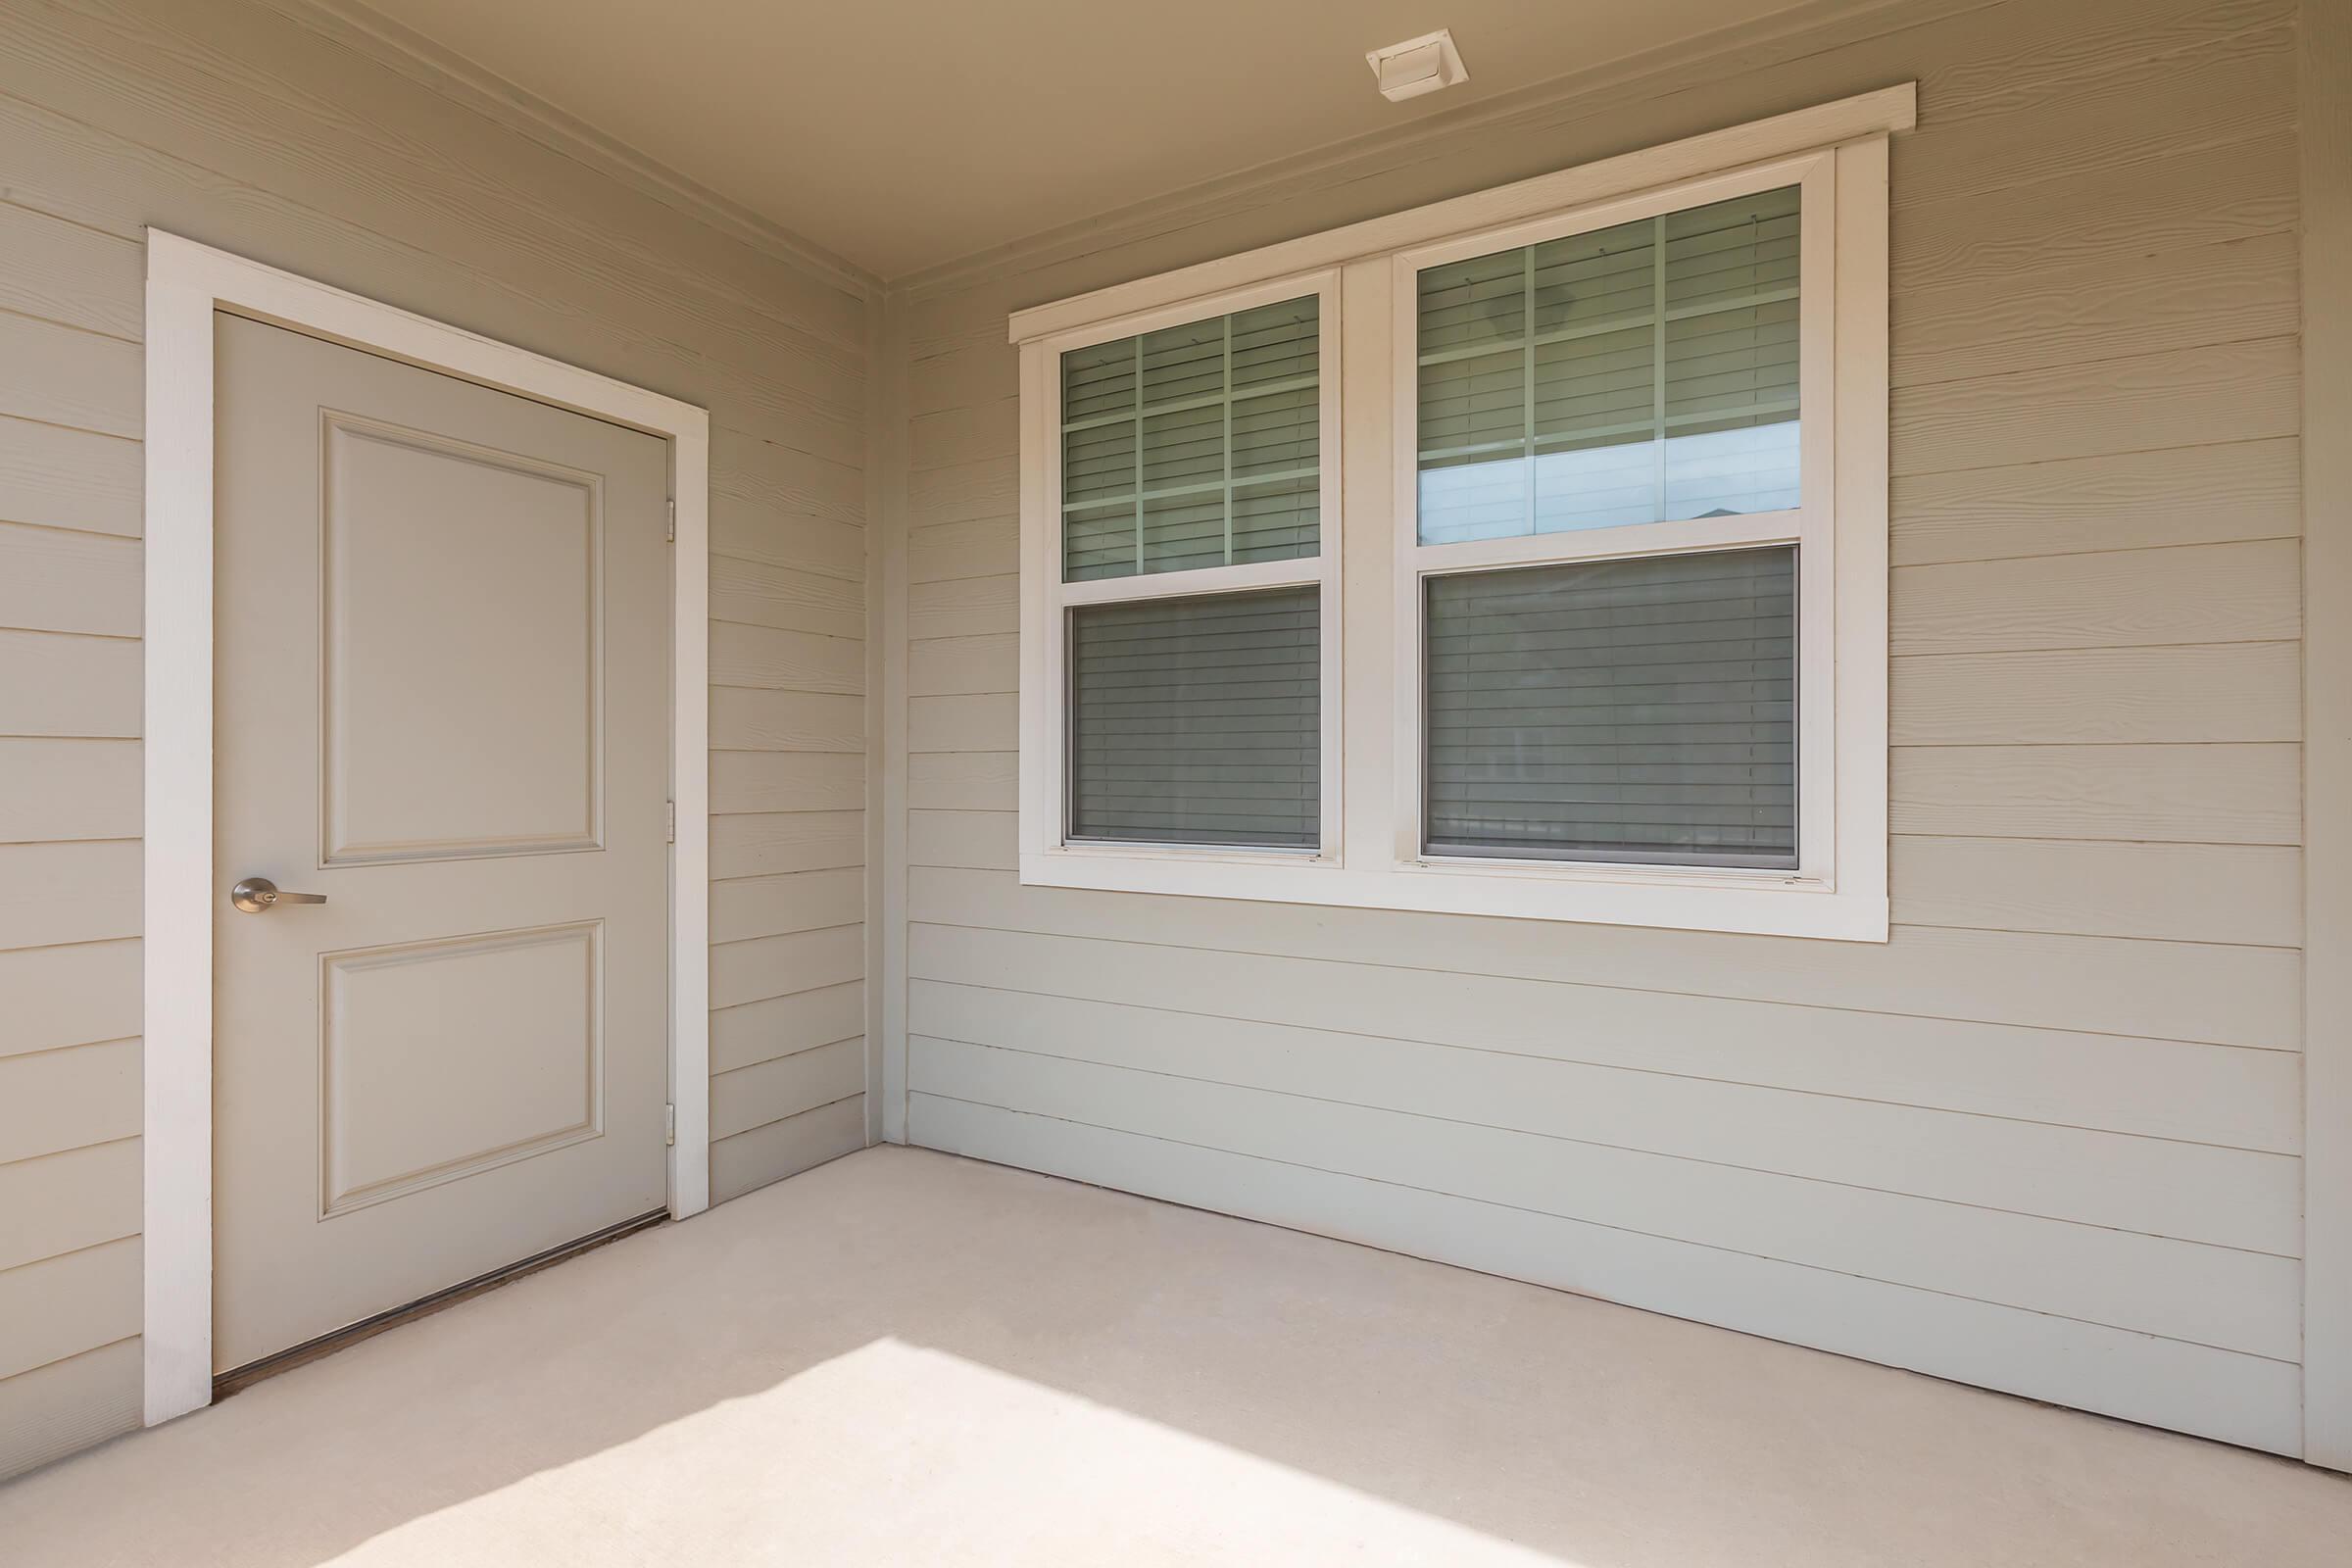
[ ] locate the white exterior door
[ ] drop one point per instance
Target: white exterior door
(442, 705)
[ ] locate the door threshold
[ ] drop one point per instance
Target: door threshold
(238, 1379)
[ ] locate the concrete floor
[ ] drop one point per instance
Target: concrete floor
(905, 1358)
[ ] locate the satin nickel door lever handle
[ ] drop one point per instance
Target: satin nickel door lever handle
(258, 895)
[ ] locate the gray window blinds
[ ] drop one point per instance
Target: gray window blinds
(1639, 710)
(1198, 720)
(1196, 446)
(1646, 372)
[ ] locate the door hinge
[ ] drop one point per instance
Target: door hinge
(672, 535)
(669, 1127)
(669, 824)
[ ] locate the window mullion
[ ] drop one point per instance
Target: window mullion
(1657, 341)
(1527, 359)
(1229, 440)
(1139, 454)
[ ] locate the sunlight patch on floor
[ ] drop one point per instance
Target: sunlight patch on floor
(898, 1453)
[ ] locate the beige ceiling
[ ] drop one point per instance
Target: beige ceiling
(899, 133)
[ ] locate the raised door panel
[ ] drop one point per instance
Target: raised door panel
(441, 1059)
(461, 639)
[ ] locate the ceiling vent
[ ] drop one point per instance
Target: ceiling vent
(1417, 66)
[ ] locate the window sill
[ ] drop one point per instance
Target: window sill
(1746, 902)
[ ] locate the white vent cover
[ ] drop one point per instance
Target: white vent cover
(1417, 66)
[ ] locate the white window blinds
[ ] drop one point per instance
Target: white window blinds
(1198, 720)
(1198, 445)
(1639, 710)
(1644, 373)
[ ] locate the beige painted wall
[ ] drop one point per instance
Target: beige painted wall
(2046, 1139)
(223, 121)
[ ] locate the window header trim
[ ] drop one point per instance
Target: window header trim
(1114, 311)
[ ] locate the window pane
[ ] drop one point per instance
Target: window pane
(1640, 373)
(1198, 445)
(1639, 710)
(1198, 720)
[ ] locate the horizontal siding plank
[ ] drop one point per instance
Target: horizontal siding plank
(2186, 794)
(71, 275)
(2104, 1082)
(67, 1405)
(54, 683)
(963, 781)
(57, 579)
(815, 544)
(989, 723)
(2226, 1197)
(929, 338)
(778, 1026)
(751, 1097)
(70, 892)
(753, 1032)
(779, 478)
(759, 593)
(764, 843)
(786, 781)
(70, 996)
(965, 606)
(785, 660)
(62, 1306)
(976, 372)
(1422, 1117)
(2156, 990)
(86, 382)
(61, 478)
(750, 1161)
(2228, 392)
(986, 547)
(66, 1202)
(2125, 108)
(2222, 692)
(979, 840)
(2167, 892)
(2012, 56)
(745, 719)
(2132, 500)
(965, 492)
(2101, 310)
(52, 1100)
(2205, 196)
(779, 967)
(949, 666)
(69, 789)
(776, 906)
(948, 436)
(2218, 1393)
(2123, 599)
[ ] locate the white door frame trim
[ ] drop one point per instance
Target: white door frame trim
(186, 283)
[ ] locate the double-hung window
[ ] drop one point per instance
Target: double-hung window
(1611, 509)
(1184, 589)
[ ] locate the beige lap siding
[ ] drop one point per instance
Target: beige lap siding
(2046, 1139)
(224, 120)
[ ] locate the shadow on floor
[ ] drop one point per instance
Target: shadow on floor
(903, 1357)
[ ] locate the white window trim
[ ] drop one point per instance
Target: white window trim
(1047, 600)
(1371, 853)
